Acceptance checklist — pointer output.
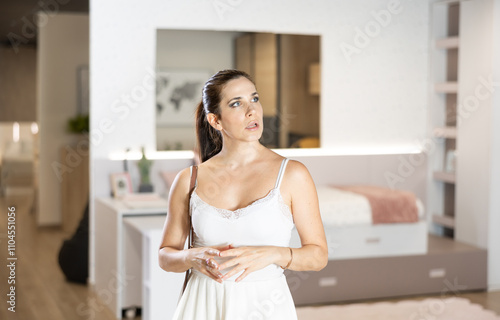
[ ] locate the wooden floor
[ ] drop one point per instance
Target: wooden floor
(42, 293)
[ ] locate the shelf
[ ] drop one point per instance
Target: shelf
(445, 132)
(445, 221)
(446, 87)
(445, 59)
(448, 43)
(448, 177)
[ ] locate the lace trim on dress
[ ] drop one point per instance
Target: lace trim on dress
(285, 209)
(235, 214)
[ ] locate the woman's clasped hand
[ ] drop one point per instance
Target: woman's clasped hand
(246, 259)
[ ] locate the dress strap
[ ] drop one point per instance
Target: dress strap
(194, 178)
(280, 174)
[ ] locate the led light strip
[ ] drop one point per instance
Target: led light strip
(155, 155)
(296, 152)
(348, 151)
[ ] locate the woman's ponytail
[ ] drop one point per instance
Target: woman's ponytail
(209, 139)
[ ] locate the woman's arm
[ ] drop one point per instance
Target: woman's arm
(299, 185)
(172, 256)
(297, 189)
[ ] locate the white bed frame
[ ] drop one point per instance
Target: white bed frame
(368, 241)
(381, 240)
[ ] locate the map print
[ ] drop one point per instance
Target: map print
(177, 96)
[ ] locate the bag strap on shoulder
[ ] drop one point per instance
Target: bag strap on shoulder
(194, 173)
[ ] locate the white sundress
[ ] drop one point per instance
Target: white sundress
(263, 294)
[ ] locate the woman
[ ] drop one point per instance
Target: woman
(240, 243)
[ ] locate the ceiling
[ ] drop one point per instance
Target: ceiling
(16, 15)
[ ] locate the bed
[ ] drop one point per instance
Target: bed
(381, 260)
(364, 221)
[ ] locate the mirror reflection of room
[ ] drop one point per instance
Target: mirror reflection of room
(285, 68)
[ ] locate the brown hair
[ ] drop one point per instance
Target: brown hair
(209, 138)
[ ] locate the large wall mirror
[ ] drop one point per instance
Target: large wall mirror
(285, 67)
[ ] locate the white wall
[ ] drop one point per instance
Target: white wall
(379, 98)
(376, 97)
(193, 50)
(474, 143)
(63, 45)
(477, 188)
(494, 212)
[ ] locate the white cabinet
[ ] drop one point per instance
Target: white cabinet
(160, 289)
(119, 252)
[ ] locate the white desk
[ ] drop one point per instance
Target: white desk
(118, 253)
(160, 289)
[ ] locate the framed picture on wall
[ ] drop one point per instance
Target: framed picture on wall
(121, 184)
(178, 93)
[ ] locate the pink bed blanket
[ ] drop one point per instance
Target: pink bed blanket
(388, 206)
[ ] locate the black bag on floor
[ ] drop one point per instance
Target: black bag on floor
(74, 253)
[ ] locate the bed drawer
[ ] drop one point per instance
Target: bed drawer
(367, 241)
(449, 269)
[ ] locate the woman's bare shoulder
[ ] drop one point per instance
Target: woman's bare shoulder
(182, 180)
(297, 184)
(296, 170)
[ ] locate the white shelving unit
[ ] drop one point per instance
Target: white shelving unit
(443, 114)
(462, 49)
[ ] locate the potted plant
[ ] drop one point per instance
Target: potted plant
(144, 166)
(79, 124)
